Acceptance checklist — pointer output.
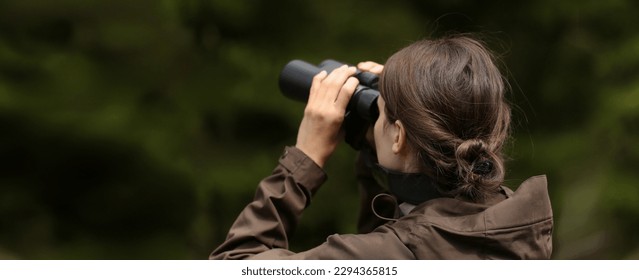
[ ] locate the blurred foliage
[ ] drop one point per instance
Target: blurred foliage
(139, 129)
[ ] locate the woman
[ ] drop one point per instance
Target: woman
(437, 148)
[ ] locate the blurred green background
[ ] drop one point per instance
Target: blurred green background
(139, 129)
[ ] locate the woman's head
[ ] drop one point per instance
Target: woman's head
(445, 98)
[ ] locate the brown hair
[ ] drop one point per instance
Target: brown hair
(449, 94)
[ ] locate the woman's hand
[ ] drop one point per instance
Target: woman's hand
(319, 132)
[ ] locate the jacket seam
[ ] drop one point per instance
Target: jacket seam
(410, 231)
(485, 231)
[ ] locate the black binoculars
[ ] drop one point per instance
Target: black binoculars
(295, 83)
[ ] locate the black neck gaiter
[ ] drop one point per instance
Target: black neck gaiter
(413, 188)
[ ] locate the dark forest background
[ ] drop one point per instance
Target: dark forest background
(139, 129)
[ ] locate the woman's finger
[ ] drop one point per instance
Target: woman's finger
(332, 80)
(335, 80)
(371, 66)
(346, 92)
(315, 85)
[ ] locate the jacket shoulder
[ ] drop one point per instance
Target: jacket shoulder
(528, 204)
(517, 227)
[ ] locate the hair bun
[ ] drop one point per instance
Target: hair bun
(483, 167)
(473, 156)
(478, 168)
(470, 151)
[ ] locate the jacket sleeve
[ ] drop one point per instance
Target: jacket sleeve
(263, 228)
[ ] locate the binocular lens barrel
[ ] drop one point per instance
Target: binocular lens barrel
(296, 79)
(297, 76)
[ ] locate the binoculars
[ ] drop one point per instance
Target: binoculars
(361, 112)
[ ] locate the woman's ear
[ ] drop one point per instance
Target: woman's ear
(399, 137)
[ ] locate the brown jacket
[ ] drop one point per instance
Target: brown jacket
(509, 226)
